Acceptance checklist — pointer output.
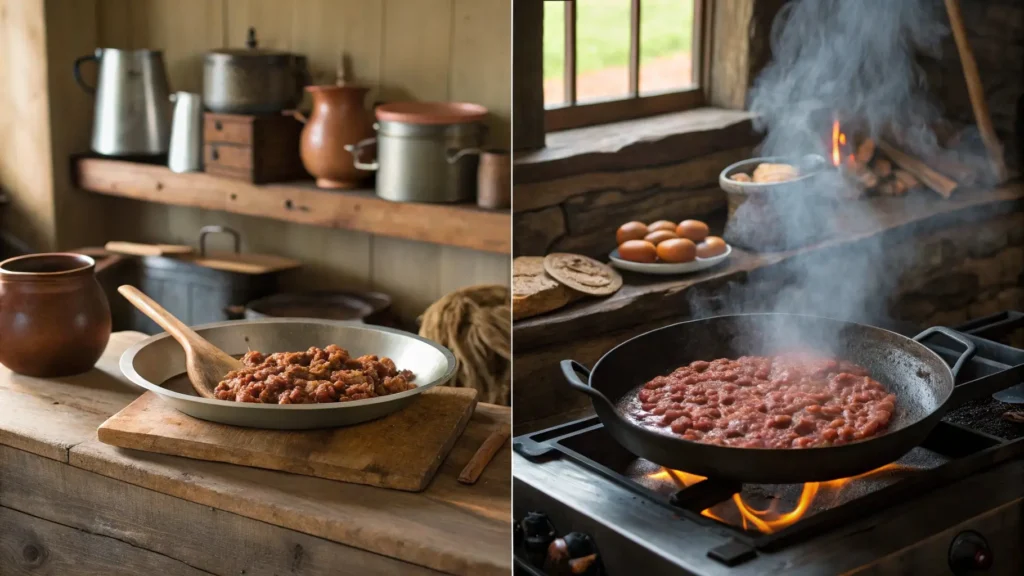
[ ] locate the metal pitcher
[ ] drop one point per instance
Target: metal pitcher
(186, 153)
(132, 113)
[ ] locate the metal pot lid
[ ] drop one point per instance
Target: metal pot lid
(251, 54)
(245, 56)
(431, 112)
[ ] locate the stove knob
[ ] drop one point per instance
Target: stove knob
(969, 554)
(537, 534)
(573, 555)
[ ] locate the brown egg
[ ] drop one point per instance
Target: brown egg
(631, 231)
(638, 251)
(694, 230)
(662, 225)
(710, 247)
(677, 250)
(659, 236)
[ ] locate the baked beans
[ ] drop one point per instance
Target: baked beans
(789, 401)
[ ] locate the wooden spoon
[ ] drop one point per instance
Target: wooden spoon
(205, 363)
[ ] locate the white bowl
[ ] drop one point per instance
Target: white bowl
(665, 267)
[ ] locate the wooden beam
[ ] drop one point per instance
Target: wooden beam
(528, 75)
(739, 49)
(634, 49)
(453, 225)
(569, 71)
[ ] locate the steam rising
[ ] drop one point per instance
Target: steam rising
(852, 59)
(855, 61)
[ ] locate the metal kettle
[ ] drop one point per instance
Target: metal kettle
(132, 111)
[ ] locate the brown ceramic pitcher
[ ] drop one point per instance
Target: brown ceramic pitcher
(339, 118)
(54, 317)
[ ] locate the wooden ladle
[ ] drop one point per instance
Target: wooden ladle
(205, 364)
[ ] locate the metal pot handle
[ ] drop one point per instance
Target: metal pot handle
(456, 155)
(206, 230)
(77, 70)
(969, 346)
(572, 369)
(356, 149)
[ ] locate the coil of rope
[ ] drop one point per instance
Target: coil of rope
(475, 324)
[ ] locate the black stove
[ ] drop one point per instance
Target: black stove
(954, 504)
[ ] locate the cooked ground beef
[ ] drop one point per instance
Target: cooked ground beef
(311, 377)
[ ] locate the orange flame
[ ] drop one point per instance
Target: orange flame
(770, 520)
(838, 139)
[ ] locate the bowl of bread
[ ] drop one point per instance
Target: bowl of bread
(768, 198)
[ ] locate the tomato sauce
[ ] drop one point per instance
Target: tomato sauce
(788, 401)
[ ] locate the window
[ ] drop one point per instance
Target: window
(610, 60)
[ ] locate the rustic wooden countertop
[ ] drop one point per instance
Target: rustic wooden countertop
(68, 500)
(644, 298)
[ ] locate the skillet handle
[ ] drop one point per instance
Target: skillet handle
(572, 369)
(969, 346)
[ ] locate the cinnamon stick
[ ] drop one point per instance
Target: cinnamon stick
(943, 185)
(975, 89)
(471, 473)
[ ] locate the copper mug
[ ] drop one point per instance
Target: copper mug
(54, 317)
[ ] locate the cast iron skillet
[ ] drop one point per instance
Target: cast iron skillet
(920, 379)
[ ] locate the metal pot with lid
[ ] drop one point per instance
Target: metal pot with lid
(253, 80)
(426, 151)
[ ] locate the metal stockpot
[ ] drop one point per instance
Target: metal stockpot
(132, 113)
(423, 151)
(252, 80)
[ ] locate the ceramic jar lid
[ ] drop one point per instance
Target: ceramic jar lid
(431, 112)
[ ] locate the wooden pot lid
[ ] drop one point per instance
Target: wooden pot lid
(431, 112)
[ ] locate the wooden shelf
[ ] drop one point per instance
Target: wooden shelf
(462, 225)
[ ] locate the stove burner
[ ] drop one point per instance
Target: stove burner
(771, 517)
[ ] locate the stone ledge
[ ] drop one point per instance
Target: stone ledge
(633, 144)
(644, 299)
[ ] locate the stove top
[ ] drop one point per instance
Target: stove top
(616, 511)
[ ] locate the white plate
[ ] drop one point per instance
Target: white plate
(666, 268)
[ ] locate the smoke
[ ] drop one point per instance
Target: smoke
(853, 60)
(833, 59)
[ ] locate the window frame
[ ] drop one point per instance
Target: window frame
(634, 105)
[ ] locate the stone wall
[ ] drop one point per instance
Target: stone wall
(576, 201)
(939, 276)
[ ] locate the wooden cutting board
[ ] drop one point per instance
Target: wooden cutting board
(241, 262)
(401, 451)
(137, 249)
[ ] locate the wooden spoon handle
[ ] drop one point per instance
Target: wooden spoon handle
(176, 328)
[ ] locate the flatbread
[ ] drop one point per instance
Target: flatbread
(768, 173)
(533, 291)
(584, 274)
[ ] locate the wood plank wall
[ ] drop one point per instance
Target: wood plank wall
(24, 123)
(418, 49)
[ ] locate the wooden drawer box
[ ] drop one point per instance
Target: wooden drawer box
(258, 149)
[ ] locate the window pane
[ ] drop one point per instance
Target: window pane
(602, 49)
(554, 53)
(666, 42)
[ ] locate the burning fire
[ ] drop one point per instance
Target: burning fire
(769, 520)
(838, 142)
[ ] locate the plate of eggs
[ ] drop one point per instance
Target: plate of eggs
(665, 247)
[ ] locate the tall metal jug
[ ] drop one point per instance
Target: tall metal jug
(132, 113)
